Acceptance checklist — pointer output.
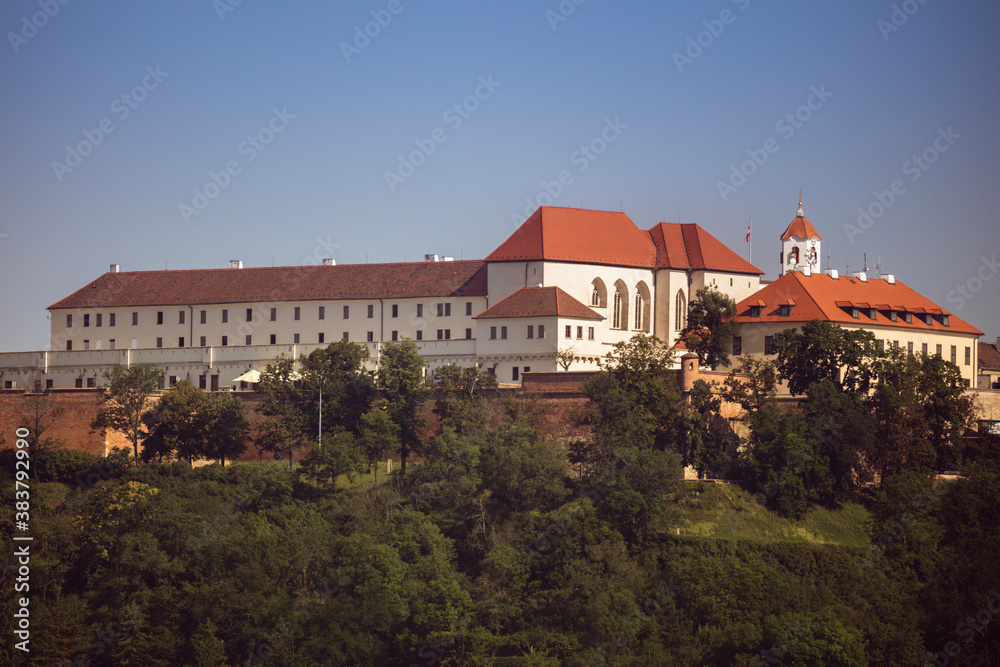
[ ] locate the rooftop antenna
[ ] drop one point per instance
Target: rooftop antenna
(866, 262)
(878, 268)
(847, 267)
(829, 265)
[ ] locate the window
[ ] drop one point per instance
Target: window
(249, 317)
(180, 341)
(514, 374)
(595, 297)
(225, 316)
(395, 310)
(90, 383)
(923, 348)
(784, 311)
(768, 344)
(929, 319)
(854, 313)
(440, 310)
(347, 312)
(503, 332)
(98, 318)
(420, 310)
(135, 319)
(371, 336)
(938, 351)
(440, 334)
(111, 344)
(69, 346)
(420, 334)
(298, 313)
(447, 310)
(579, 333)
(86, 320)
(880, 344)
(872, 314)
(468, 334)
(346, 335)
(541, 331)
(531, 331)
(680, 311)
(225, 341)
(79, 383)
(249, 339)
(273, 339)
(968, 356)
(895, 344)
(755, 311)
(201, 342)
(737, 345)
(617, 315)
(274, 314)
(180, 317)
(296, 338)
(69, 321)
(954, 354)
(909, 348)
(173, 380)
(493, 333)
(945, 320)
(590, 333)
(202, 319)
(322, 313)
(638, 311)
(892, 315)
(322, 337)
(908, 317)
(202, 382)
(159, 342)
(468, 308)
(447, 334)
(527, 369)
(48, 383)
(395, 335)
(569, 331)
(371, 311)
(86, 344)
(491, 370)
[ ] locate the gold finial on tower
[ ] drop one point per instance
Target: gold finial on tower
(800, 214)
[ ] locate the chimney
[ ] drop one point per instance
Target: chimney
(329, 261)
(862, 276)
(236, 264)
(431, 258)
(115, 268)
(833, 273)
(889, 278)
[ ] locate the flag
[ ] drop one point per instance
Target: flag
(748, 230)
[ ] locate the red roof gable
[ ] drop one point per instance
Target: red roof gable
(689, 247)
(283, 283)
(539, 302)
(800, 228)
(816, 297)
(580, 236)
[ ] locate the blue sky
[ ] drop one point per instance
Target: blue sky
(162, 96)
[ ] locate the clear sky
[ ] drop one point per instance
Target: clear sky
(119, 120)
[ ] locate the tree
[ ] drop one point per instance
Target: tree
(459, 395)
(379, 436)
(401, 377)
(752, 385)
(821, 351)
(565, 356)
(702, 438)
(227, 425)
(38, 412)
(710, 327)
(194, 424)
(291, 398)
(124, 401)
(339, 455)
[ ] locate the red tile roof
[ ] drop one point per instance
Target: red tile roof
(817, 297)
(284, 283)
(989, 356)
(801, 228)
(578, 235)
(689, 247)
(539, 302)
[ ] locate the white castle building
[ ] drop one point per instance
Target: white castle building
(568, 283)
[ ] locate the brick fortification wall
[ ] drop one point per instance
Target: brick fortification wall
(70, 428)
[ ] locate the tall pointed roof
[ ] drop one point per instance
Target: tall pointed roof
(690, 248)
(800, 227)
(579, 236)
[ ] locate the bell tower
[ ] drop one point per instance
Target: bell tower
(800, 245)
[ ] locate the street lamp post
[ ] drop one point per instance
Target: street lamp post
(319, 439)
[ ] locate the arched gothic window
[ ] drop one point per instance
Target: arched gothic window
(616, 322)
(638, 312)
(680, 318)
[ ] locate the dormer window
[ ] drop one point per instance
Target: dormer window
(908, 317)
(892, 315)
(854, 313)
(929, 319)
(872, 314)
(784, 310)
(755, 311)
(945, 320)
